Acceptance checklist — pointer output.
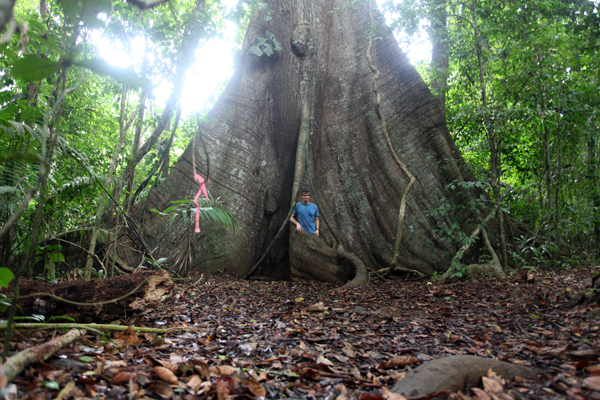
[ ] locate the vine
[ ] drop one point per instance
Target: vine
(402, 211)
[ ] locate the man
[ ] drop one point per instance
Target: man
(308, 215)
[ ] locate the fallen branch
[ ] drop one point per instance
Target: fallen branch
(100, 327)
(15, 364)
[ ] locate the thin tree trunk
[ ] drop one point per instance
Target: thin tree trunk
(492, 140)
(592, 177)
(87, 275)
(438, 35)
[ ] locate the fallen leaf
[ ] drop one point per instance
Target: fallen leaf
(310, 373)
(325, 361)
(317, 307)
(491, 386)
(255, 388)
(400, 361)
(202, 368)
(65, 391)
(123, 377)
(194, 383)
(592, 382)
(163, 389)
(169, 365)
(166, 375)
(481, 394)
(387, 395)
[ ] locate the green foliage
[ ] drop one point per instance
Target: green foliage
(54, 53)
(6, 276)
(265, 45)
(209, 211)
(540, 76)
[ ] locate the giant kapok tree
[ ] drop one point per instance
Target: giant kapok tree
(322, 98)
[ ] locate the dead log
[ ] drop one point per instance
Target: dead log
(15, 364)
(99, 293)
(451, 373)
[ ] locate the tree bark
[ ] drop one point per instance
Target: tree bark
(307, 117)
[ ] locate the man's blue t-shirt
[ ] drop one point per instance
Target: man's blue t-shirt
(305, 215)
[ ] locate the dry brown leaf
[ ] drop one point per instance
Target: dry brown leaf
(263, 376)
(348, 352)
(317, 307)
(387, 395)
(325, 361)
(65, 391)
(166, 375)
(491, 385)
(592, 382)
(123, 377)
(481, 395)
(110, 348)
(222, 390)
(163, 389)
(225, 369)
(270, 361)
(255, 388)
(194, 383)
(203, 369)
(310, 373)
(169, 365)
(400, 361)
(176, 358)
(205, 387)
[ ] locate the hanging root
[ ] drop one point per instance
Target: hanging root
(411, 178)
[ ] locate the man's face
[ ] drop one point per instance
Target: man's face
(306, 198)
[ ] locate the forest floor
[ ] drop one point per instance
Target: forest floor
(305, 340)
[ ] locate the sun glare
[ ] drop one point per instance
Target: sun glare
(214, 64)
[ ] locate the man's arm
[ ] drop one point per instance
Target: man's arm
(317, 225)
(293, 221)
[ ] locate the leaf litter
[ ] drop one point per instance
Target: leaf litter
(307, 340)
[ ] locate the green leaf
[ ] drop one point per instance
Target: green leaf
(268, 50)
(51, 385)
(255, 50)
(45, 39)
(86, 359)
(33, 68)
(8, 189)
(6, 276)
(123, 75)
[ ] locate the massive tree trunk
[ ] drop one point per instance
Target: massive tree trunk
(307, 117)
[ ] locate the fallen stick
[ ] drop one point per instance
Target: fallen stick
(15, 364)
(39, 325)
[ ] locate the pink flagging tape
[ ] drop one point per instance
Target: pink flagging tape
(202, 190)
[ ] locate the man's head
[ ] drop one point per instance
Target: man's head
(305, 196)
